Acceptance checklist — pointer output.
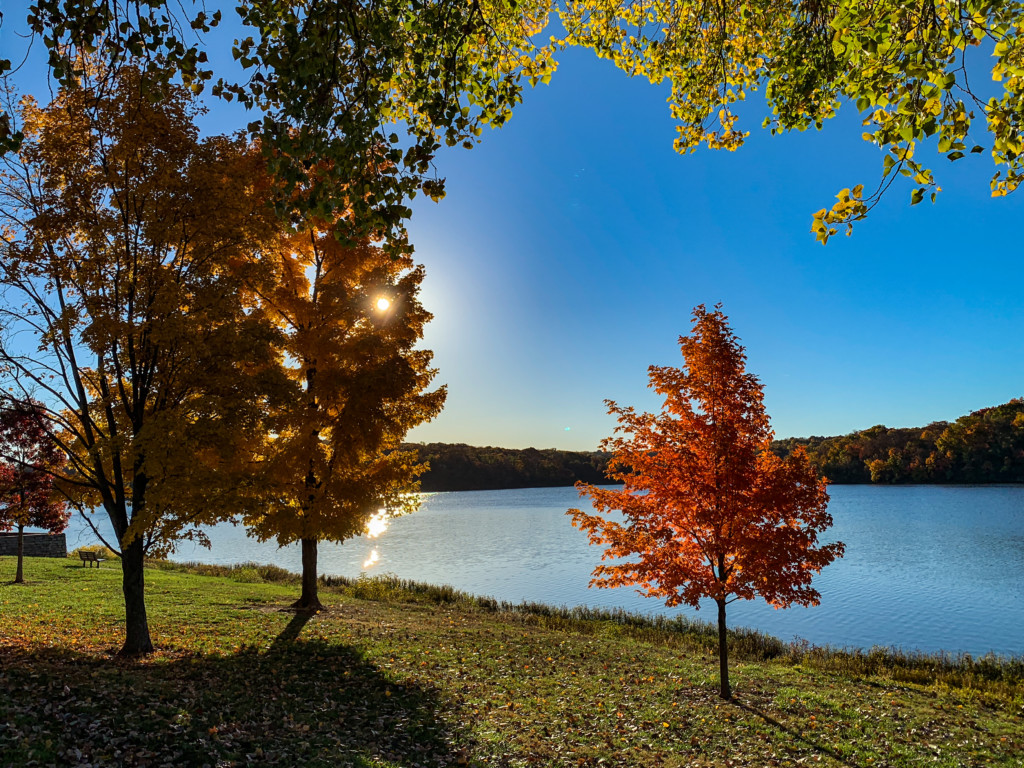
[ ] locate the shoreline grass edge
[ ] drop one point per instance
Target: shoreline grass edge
(994, 677)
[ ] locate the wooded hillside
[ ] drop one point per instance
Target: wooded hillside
(986, 446)
(460, 467)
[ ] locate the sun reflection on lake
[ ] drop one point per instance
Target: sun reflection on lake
(376, 525)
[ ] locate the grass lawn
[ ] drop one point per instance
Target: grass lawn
(421, 677)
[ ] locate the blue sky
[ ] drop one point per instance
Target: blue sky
(574, 243)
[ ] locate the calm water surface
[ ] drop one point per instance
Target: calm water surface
(926, 567)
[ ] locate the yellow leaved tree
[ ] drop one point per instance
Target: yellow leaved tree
(351, 319)
(127, 247)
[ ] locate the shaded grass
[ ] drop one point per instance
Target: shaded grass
(428, 676)
(309, 704)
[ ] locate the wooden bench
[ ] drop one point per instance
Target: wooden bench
(90, 558)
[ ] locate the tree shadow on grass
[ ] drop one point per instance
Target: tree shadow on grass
(797, 735)
(299, 704)
(291, 632)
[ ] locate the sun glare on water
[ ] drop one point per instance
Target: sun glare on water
(376, 525)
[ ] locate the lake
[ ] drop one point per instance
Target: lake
(926, 567)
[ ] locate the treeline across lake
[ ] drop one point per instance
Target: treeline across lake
(460, 467)
(986, 446)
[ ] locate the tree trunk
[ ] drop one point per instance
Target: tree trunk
(19, 576)
(723, 653)
(137, 640)
(309, 601)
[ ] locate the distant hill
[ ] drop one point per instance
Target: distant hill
(986, 446)
(460, 467)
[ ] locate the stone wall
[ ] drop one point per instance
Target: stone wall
(36, 544)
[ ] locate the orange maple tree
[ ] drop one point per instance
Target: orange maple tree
(709, 511)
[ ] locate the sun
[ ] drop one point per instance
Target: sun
(383, 303)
